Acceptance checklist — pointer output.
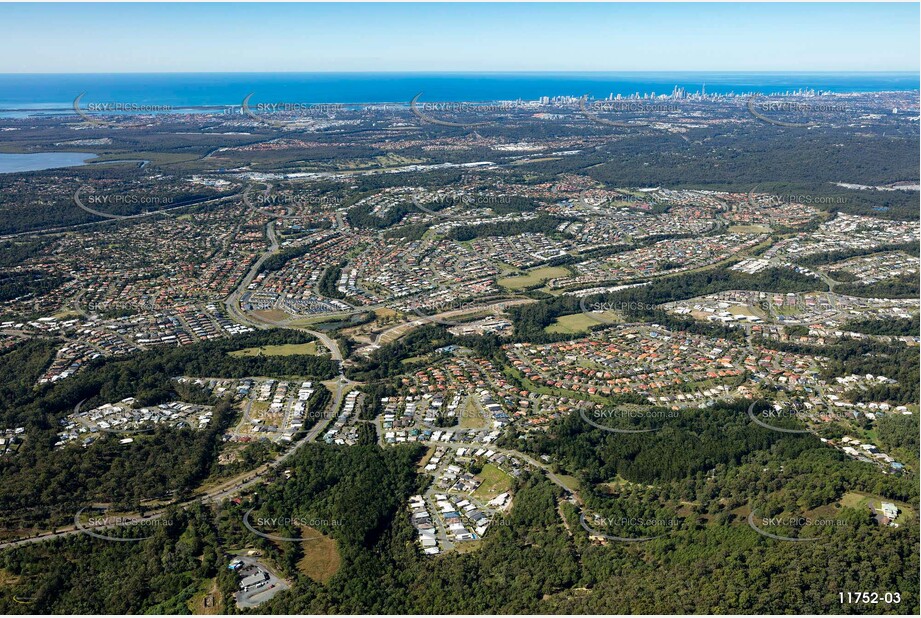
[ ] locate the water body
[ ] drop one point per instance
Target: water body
(49, 94)
(10, 163)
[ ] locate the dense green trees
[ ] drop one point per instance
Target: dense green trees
(899, 431)
(895, 361)
(894, 327)
(830, 257)
(28, 284)
(45, 486)
(695, 441)
(328, 285)
(81, 574)
(542, 223)
(639, 303)
(361, 216)
(277, 261)
(903, 286)
(387, 361)
(15, 252)
(783, 162)
(43, 483)
(711, 561)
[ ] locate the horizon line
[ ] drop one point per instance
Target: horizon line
(475, 72)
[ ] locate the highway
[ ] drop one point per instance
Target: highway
(219, 493)
(77, 226)
(242, 482)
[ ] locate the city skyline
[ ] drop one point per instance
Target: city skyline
(382, 309)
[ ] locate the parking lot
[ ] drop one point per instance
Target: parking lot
(257, 583)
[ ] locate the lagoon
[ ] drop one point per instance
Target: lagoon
(33, 162)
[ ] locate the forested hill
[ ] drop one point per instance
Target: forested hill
(713, 562)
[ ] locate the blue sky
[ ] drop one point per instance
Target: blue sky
(75, 38)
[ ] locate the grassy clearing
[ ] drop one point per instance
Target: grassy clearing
(7, 579)
(287, 349)
(385, 312)
(495, 482)
(786, 310)
(467, 546)
(412, 359)
(737, 310)
(313, 320)
(580, 323)
(66, 314)
(321, 557)
(570, 481)
(392, 334)
(425, 458)
(853, 499)
(533, 277)
(472, 417)
(537, 160)
(272, 315)
(259, 407)
(749, 229)
(207, 601)
(858, 499)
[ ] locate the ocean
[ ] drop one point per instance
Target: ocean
(23, 94)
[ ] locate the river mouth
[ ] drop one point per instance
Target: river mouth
(36, 162)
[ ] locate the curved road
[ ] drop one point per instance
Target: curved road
(221, 492)
(246, 480)
(556, 480)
